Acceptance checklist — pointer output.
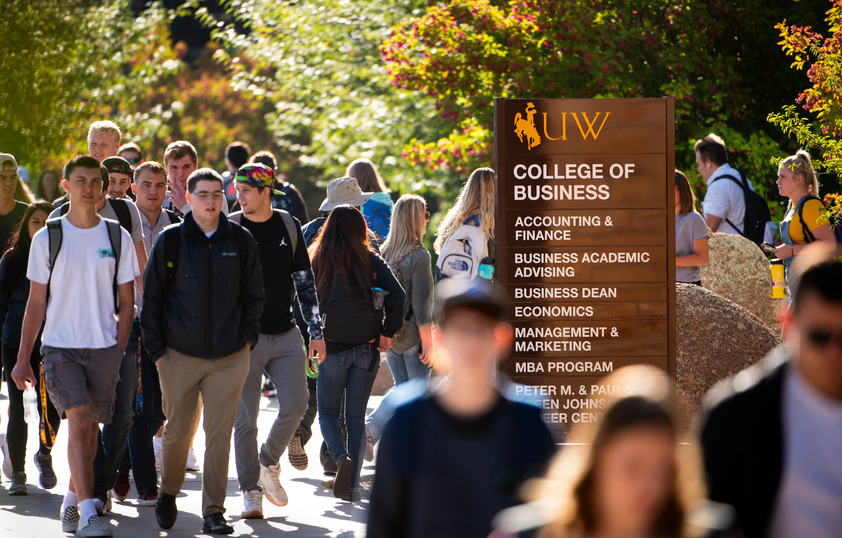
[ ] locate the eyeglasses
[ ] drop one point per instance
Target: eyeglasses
(204, 196)
(823, 338)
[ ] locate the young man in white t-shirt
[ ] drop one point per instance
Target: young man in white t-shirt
(84, 335)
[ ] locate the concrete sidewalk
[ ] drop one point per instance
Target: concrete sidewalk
(312, 509)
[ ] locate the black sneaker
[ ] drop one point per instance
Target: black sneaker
(47, 477)
(18, 486)
(215, 524)
(165, 510)
(342, 482)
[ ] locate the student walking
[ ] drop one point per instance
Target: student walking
(14, 292)
(411, 354)
(450, 461)
(279, 351)
(81, 270)
(691, 234)
(201, 310)
(351, 280)
(150, 188)
(803, 222)
(378, 209)
(466, 233)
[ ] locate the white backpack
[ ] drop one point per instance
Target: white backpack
(463, 251)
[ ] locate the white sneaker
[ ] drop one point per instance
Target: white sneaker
(157, 446)
(7, 460)
(103, 508)
(69, 519)
(192, 462)
(252, 505)
(94, 527)
(272, 488)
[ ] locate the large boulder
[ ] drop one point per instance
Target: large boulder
(739, 271)
(716, 338)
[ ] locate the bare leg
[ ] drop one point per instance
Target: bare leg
(81, 449)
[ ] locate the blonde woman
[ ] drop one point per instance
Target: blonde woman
(404, 251)
(378, 210)
(802, 223)
(410, 356)
(473, 208)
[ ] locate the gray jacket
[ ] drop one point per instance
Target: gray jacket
(417, 282)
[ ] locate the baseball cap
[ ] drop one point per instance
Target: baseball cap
(8, 162)
(258, 175)
(476, 294)
(118, 165)
(344, 190)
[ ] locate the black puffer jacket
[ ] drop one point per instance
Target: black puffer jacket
(212, 305)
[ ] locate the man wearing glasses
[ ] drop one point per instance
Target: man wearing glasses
(132, 153)
(772, 435)
(201, 313)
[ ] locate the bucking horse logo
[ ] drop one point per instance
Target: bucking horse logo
(527, 127)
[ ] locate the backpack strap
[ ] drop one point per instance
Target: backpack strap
(743, 185)
(174, 218)
(473, 220)
(291, 229)
(54, 234)
(124, 215)
(808, 235)
(116, 246)
(236, 218)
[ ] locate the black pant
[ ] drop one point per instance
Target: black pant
(146, 422)
(16, 430)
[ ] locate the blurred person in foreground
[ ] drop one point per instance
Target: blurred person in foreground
(626, 476)
(772, 434)
(448, 462)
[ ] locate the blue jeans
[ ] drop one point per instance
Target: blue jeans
(351, 372)
(407, 365)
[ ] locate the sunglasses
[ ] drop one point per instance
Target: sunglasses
(823, 338)
(427, 215)
(133, 160)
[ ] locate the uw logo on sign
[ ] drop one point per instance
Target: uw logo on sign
(526, 127)
(587, 126)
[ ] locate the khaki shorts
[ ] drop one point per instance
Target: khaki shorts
(83, 377)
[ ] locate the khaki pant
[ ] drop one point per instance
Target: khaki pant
(219, 382)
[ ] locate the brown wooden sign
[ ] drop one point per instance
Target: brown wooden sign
(585, 243)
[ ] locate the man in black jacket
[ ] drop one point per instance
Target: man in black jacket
(772, 435)
(201, 315)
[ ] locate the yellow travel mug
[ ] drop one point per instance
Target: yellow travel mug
(778, 279)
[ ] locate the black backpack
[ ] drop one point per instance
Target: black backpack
(757, 212)
(808, 235)
(348, 313)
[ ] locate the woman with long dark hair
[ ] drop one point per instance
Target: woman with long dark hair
(359, 323)
(14, 292)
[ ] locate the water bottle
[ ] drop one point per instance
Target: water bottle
(486, 268)
(30, 405)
